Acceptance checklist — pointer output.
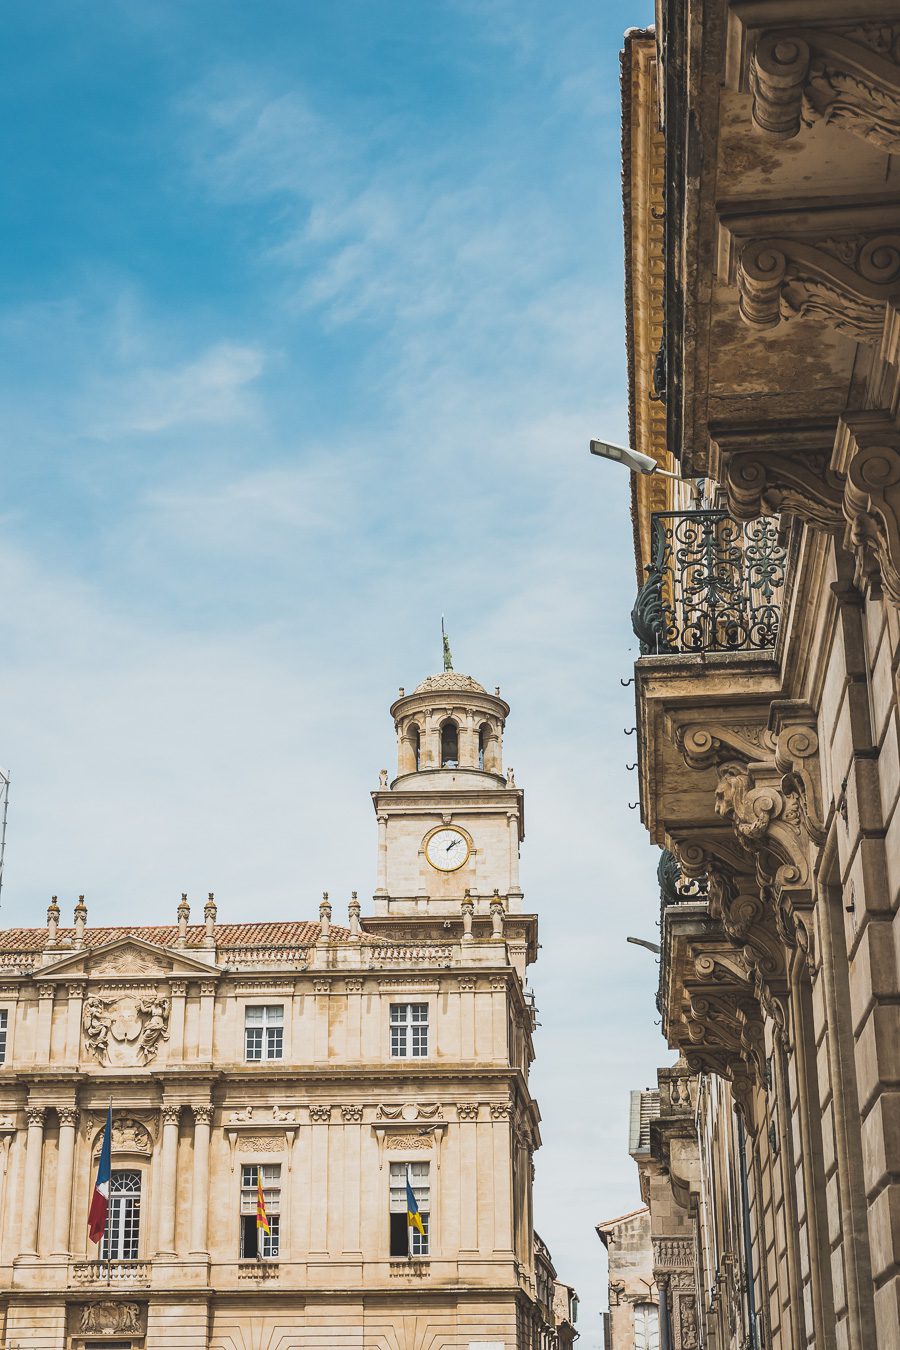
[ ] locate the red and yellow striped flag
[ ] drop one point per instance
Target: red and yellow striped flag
(262, 1220)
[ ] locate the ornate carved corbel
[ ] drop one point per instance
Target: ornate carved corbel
(703, 744)
(775, 483)
(846, 280)
(847, 77)
(767, 821)
(867, 449)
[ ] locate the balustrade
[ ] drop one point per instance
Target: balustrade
(713, 584)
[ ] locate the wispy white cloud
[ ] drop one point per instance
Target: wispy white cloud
(214, 387)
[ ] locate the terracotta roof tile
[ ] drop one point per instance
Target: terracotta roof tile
(302, 933)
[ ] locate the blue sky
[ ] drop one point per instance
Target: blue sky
(308, 312)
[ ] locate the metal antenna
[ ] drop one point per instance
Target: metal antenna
(4, 789)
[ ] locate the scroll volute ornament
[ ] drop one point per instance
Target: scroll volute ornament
(799, 484)
(844, 280)
(867, 449)
(846, 77)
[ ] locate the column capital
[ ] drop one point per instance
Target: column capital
(68, 1116)
(202, 1114)
(35, 1116)
(46, 990)
(207, 988)
(171, 1113)
(178, 988)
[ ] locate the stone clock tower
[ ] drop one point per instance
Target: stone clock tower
(451, 821)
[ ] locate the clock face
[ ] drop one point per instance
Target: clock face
(447, 849)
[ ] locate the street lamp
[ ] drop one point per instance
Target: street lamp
(632, 459)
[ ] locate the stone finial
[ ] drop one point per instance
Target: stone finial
(497, 690)
(468, 910)
(184, 913)
(402, 691)
(354, 909)
(52, 921)
(510, 777)
(496, 917)
(80, 921)
(324, 917)
(382, 778)
(209, 918)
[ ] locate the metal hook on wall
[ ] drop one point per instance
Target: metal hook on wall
(629, 733)
(626, 683)
(631, 767)
(633, 806)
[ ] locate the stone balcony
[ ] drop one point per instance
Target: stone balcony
(110, 1274)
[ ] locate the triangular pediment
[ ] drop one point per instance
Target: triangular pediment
(129, 957)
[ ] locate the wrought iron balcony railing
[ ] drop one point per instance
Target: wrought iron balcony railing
(713, 584)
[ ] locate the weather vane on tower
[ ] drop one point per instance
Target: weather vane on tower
(448, 655)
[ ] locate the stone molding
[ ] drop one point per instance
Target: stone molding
(845, 77)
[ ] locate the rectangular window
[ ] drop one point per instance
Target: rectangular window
(255, 1242)
(264, 1032)
(407, 1241)
(4, 1020)
(123, 1220)
(409, 1030)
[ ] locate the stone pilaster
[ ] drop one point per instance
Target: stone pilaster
(168, 1156)
(62, 1210)
(31, 1191)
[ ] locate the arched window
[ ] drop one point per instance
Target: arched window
(415, 740)
(449, 744)
(646, 1326)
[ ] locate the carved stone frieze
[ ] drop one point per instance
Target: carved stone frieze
(776, 483)
(844, 280)
(847, 77)
(867, 449)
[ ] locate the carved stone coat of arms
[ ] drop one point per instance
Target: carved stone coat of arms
(127, 1027)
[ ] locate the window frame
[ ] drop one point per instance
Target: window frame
(247, 1195)
(426, 1207)
(409, 1026)
(4, 1035)
(103, 1252)
(265, 1026)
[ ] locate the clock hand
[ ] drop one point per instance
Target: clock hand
(455, 844)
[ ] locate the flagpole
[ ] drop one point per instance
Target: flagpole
(105, 1238)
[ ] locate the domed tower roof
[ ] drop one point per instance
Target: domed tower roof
(449, 680)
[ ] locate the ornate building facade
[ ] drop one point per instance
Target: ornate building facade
(763, 271)
(325, 1063)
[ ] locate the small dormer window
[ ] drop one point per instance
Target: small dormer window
(449, 744)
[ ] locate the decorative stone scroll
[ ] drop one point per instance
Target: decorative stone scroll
(867, 450)
(846, 77)
(846, 281)
(776, 483)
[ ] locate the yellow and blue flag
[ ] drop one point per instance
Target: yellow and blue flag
(413, 1217)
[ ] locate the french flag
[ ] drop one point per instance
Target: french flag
(100, 1200)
